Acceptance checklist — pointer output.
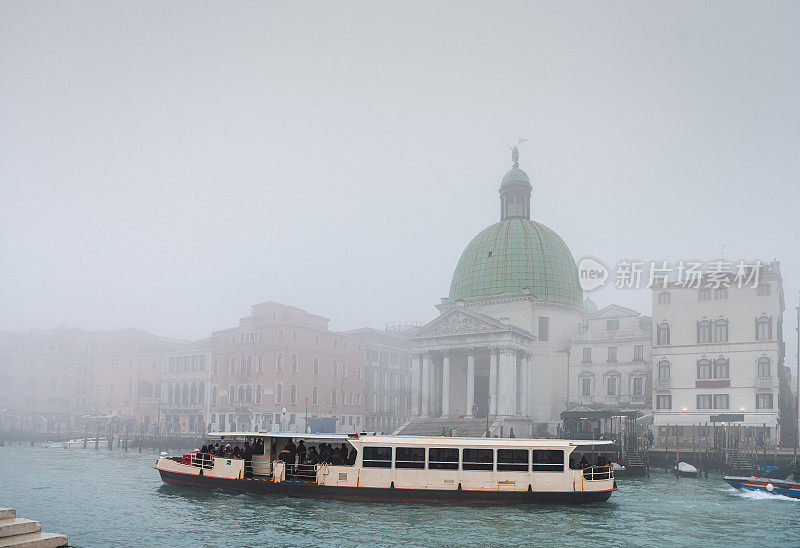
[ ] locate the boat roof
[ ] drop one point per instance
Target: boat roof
(418, 440)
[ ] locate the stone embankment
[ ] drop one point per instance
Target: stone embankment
(20, 532)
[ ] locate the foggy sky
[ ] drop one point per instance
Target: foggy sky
(166, 165)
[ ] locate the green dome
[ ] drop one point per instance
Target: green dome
(515, 175)
(513, 254)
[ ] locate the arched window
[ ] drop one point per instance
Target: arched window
(294, 363)
(721, 331)
(241, 395)
(260, 368)
(662, 334)
(764, 367)
(763, 290)
(316, 365)
(231, 394)
(704, 331)
(763, 328)
(279, 362)
(279, 393)
(704, 369)
(170, 394)
(358, 398)
(314, 395)
(259, 391)
(193, 393)
(663, 370)
(249, 366)
(185, 395)
(335, 369)
(350, 399)
(242, 365)
(333, 397)
(664, 297)
(721, 368)
(248, 393)
(233, 366)
(201, 392)
(214, 395)
(721, 293)
(293, 394)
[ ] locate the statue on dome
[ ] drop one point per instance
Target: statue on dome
(515, 151)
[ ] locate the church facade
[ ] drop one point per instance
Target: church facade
(500, 344)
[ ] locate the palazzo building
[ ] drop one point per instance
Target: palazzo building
(500, 344)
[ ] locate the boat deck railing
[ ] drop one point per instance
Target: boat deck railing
(594, 473)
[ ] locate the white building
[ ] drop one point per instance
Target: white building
(718, 351)
(610, 363)
(500, 343)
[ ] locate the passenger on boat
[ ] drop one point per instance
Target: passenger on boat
(247, 455)
(302, 451)
(324, 453)
(313, 456)
(351, 460)
(583, 462)
(343, 454)
(258, 447)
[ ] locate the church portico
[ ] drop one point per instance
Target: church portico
(467, 365)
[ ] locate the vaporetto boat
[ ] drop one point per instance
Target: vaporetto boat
(402, 468)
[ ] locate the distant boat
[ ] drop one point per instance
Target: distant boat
(686, 470)
(78, 443)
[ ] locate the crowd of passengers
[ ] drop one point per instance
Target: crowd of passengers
(576, 464)
(323, 453)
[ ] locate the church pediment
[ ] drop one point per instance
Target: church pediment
(613, 311)
(461, 322)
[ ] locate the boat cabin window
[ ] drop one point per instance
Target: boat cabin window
(548, 460)
(377, 457)
(409, 457)
(478, 459)
(443, 458)
(512, 460)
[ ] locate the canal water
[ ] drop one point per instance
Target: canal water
(113, 498)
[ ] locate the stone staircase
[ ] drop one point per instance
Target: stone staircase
(635, 465)
(432, 426)
(20, 532)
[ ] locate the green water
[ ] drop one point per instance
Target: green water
(112, 498)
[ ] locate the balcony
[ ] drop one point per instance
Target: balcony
(662, 384)
(765, 382)
(613, 334)
(175, 406)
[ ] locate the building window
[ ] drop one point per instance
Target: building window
(314, 395)
(335, 370)
(704, 401)
(704, 369)
(662, 334)
(294, 334)
(721, 293)
(638, 353)
(664, 401)
(721, 368)
(316, 365)
(612, 325)
(763, 401)
(638, 386)
(611, 386)
(293, 394)
(721, 331)
(763, 328)
(764, 369)
(279, 393)
(704, 294)
(664, 298)
(721, 401)
(612, 353)
(763, 290)
(279, 362)
(544, 328)
(586, 386)
(259, 392)
(333, 397)
(260, 366)
(587, 355)
(233, 366)
(214, 396)
(663, 370)
(280, 333)
(294, 363)
(704, 331)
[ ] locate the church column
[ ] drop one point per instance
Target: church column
(493, 381)
(526, 363)
(502, 383)
(416, 381)
(445, 383)
(426, 382)
(470, 381)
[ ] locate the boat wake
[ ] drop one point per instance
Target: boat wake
(759, 495)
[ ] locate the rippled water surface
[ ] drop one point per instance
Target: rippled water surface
(103, 498)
